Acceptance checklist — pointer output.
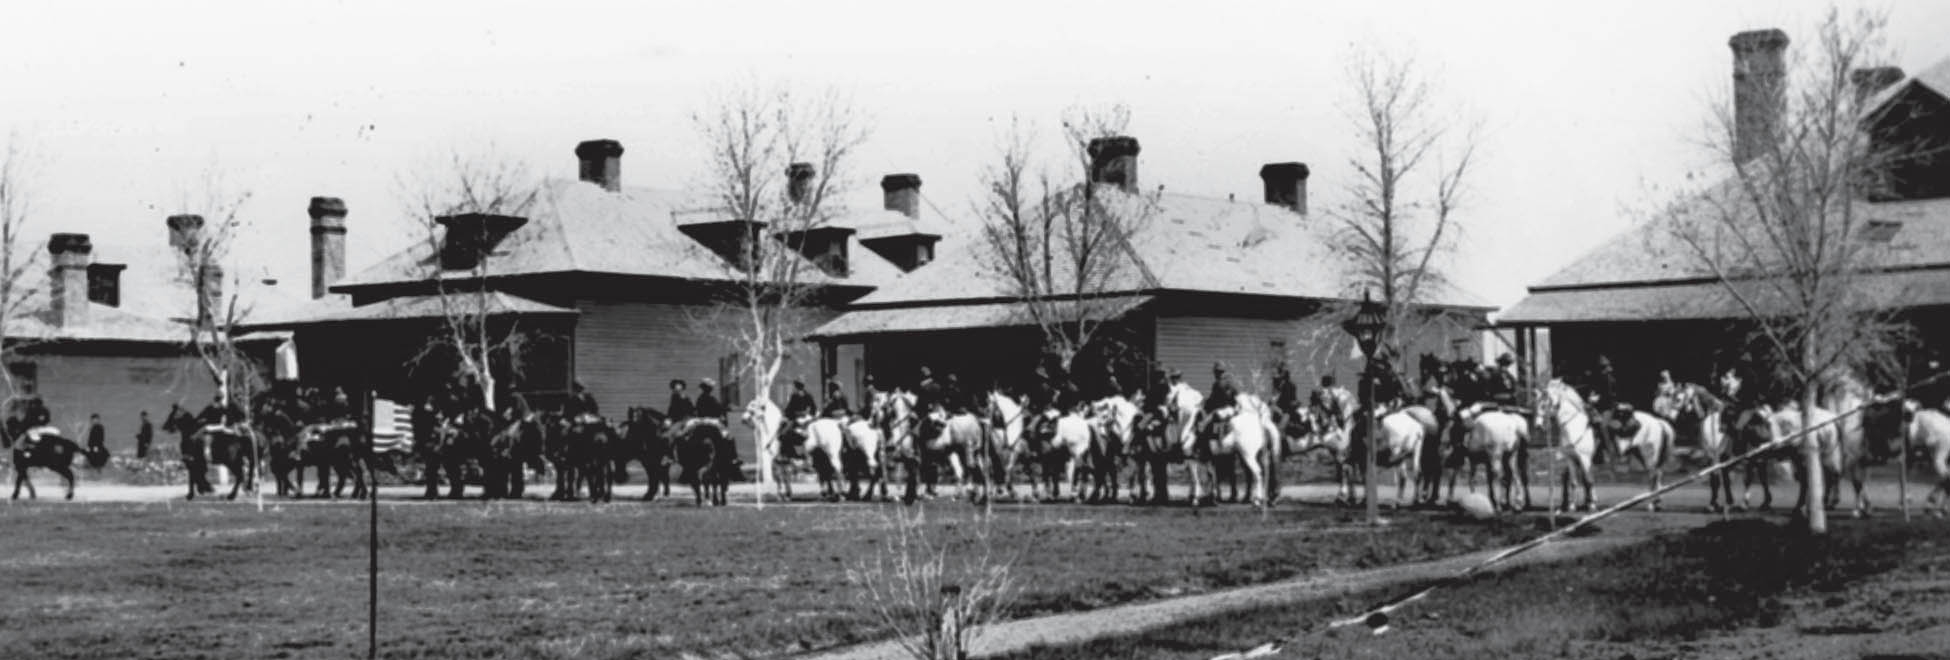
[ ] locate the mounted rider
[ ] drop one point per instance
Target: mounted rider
(220, 415)
(836, 406)
(580, 410)
(36, 423)
(1335, 402)
(800, 408)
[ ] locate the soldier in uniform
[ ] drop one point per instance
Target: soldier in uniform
(680, 407)
(836, 403)
(708, 406)
(800, 404)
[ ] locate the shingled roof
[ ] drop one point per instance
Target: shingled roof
(580, 227)
(1190, 243)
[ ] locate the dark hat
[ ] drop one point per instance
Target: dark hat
(1218, 368)
(707, 383)
(676, 382)
(1175, 374)
(1506, 358)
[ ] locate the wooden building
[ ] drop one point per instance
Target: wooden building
(1245, 285)
(1645, 303)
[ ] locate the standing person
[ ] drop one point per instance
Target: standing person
(145, 433)
(870, 397)
(97, 436)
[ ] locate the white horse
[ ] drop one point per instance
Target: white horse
(1184, 402)
(1564, 417)
(1006, 436)
(766, 420)
(864, 440)
(1114, 417)
(1398, 447)
(1929, 429)
(1824, 437)
(1494, 440)
(1651, 446)
(1847, 397)
(825, 438)
(1071, 443)
(1325, 433)
(1248, 434)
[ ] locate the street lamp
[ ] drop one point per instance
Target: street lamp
(1367, 326)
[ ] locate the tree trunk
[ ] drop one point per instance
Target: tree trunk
(1811, 450)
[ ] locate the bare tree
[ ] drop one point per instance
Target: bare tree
(1409, 181)
(1062, 244)
(937, 586)
(482, 184)
(15, 286)
(1787, 233)
(778, 160)
(206, 229)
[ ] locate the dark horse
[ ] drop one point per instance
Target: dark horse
(580, 452)
(1152, 449)
(455, 443)
(644, 440)
(517, 446)
(708, 459)
(234, 451)
(52, 452)
(336, 450)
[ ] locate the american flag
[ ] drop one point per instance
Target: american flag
(392, 426)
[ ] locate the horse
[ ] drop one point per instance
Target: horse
(644, 439)
(1399, 447)
(457, 443)
(705, 455)
(1152, 450)
(1007, 420)
(1494, 440)
(1929, 431)
(1114, 417)
(1318, 431)
(1186, 405)
(1244, 430)
(592, 447)
(1564, 415)
(1822, 435)
(1849, 398)
(825, 439)
(1699, 418)
(1648, 440)
(49, 451)
(235, 450)
(895, 415)
(861, 459)
(957, 438)
(335, 449)
(1439, 398)
(1071, 439)
(769, 423)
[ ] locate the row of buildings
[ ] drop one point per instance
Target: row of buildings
(616, 287)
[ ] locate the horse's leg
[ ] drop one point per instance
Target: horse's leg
(67, 474)
(1256, 490)
(20, 477)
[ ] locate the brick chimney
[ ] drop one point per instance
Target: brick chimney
(1759, 90)
(1286, 185)
(1868, 81)
(184, 230)
(601, 163)
(902, 192)
(1113, 160)
(798, 181)
(327, 243)
(68, 278)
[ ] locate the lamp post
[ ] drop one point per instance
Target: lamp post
(1367, 327)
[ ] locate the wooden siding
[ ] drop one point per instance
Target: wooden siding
(626, 354)
(118, 388)
(1312, 346)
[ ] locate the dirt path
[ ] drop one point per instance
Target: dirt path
(1131, 619)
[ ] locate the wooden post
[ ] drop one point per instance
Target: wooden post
(1370, 422)
(372, 530)
(1902, 431)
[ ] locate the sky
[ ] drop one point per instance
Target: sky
(128, 110)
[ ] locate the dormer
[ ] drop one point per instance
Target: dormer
(105, 283)
(908, 250)
(824, 246)
(733, 240)
(472, 236)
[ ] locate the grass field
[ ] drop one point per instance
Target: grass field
(1743, 588)
(477, 580)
